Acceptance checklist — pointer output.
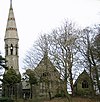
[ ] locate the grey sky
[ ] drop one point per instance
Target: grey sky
(41, 16)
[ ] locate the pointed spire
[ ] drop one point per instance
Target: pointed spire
(11, 29)
(10, 3)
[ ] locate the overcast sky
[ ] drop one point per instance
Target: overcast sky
(41, 16)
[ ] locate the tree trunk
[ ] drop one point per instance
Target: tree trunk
(96, 70)
(65, 87)
(31, 91)
(66, 92)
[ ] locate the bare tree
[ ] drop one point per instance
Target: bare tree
(86, 50)
(61, 48)
(63, 51)
(36, 53)
(39, 52)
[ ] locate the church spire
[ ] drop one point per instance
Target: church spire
(10, 3)
(11, 29)
(11, 41)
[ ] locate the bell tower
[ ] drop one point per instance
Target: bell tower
(11, 42)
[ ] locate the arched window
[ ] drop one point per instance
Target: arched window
(6, 49)
(85, 84)
(11, 49)
(11, 66)
(16, 49)
(46, 74)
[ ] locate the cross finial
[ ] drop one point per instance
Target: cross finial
(10, 3)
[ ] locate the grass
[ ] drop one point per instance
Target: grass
(74, 99)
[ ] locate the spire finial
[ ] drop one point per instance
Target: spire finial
(10, 3)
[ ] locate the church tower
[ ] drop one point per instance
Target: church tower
(11, 42)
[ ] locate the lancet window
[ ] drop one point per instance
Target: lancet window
(6, 49)
(16, 49)
(11, 49)
(85, 84)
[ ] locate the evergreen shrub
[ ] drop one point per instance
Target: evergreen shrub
(5, 99)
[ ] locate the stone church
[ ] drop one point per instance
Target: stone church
(83, 85)
(48, 77)
(11, 53)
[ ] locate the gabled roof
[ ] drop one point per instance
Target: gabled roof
(45, 66)
(46, 63)
(83, 75)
